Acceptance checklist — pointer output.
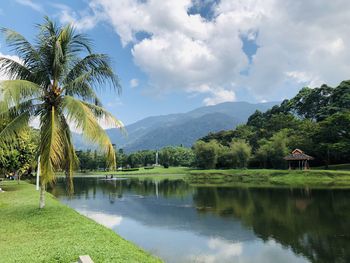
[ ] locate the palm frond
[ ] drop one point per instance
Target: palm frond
(52, 145)
(82, 117)
(93, 69)
(82, 90)
(21, 46)
(103, 115)
(30, 56)
(14, 92)
(15, 128)
(28, 106)
(14, 69)
(71, 161)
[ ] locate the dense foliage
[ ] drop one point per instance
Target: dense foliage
(315, 120)
(19, 157)
(167, 156)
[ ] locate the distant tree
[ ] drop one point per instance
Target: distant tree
(19, 156)
(165, 157)
(206, 154)
(241, 152)
(183, 157)
(310, 103)
(225, 158)
(333, 138)
(271, 152)
(121, 158)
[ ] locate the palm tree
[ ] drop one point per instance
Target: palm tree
(55, 82)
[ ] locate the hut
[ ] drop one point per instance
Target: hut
(298, 160)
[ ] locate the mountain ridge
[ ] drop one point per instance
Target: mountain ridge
(155, 132)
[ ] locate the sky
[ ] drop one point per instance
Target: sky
(174, 56)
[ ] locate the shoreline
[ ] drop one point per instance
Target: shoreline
(238, 177)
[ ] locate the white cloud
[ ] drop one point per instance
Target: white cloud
(115, 102)
(217, 95)
(82, 20)
(134, 83)
(300, 43)
(35, 6)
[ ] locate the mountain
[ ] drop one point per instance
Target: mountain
(183, 128)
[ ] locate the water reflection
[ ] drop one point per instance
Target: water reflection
(181, 223)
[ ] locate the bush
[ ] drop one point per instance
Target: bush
(206, 154)
(241, 152)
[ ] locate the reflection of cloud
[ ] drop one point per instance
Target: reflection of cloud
(220, 251)
(226, 248)
(106, 220)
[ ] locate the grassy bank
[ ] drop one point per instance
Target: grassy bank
(256, 177)
(142, 171)
(157, 173)
(261, 177)
(345, 167)
(57, 233)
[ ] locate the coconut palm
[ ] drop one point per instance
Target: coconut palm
(55, 81)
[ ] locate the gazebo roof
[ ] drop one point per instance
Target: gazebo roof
(298, 155)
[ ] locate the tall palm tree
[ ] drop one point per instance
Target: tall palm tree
(56, 81)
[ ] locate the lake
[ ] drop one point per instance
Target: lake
(182, 223)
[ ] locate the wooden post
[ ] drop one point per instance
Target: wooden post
(85, 259)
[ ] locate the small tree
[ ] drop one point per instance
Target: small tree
(225, 158)
(206, 154)
(271, 152)
(241, 152)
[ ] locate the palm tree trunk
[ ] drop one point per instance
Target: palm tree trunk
(42, 196)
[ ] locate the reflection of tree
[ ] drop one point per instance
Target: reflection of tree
(315, 224)
(115, 188)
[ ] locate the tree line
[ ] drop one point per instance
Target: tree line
(315, 120)
(167, 156)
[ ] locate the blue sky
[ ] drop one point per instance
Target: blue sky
(174, 56)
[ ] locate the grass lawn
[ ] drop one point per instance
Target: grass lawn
(57, 233)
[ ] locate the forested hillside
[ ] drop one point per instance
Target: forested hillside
(179, 129)
(315, 120)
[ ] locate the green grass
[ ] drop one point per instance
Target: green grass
(56, 233)
(345, 166)
(264, 177)
(158, 173)
(155, 170)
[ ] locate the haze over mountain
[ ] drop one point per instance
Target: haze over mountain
(180, 129)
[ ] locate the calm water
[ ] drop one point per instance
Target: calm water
(181, 223)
